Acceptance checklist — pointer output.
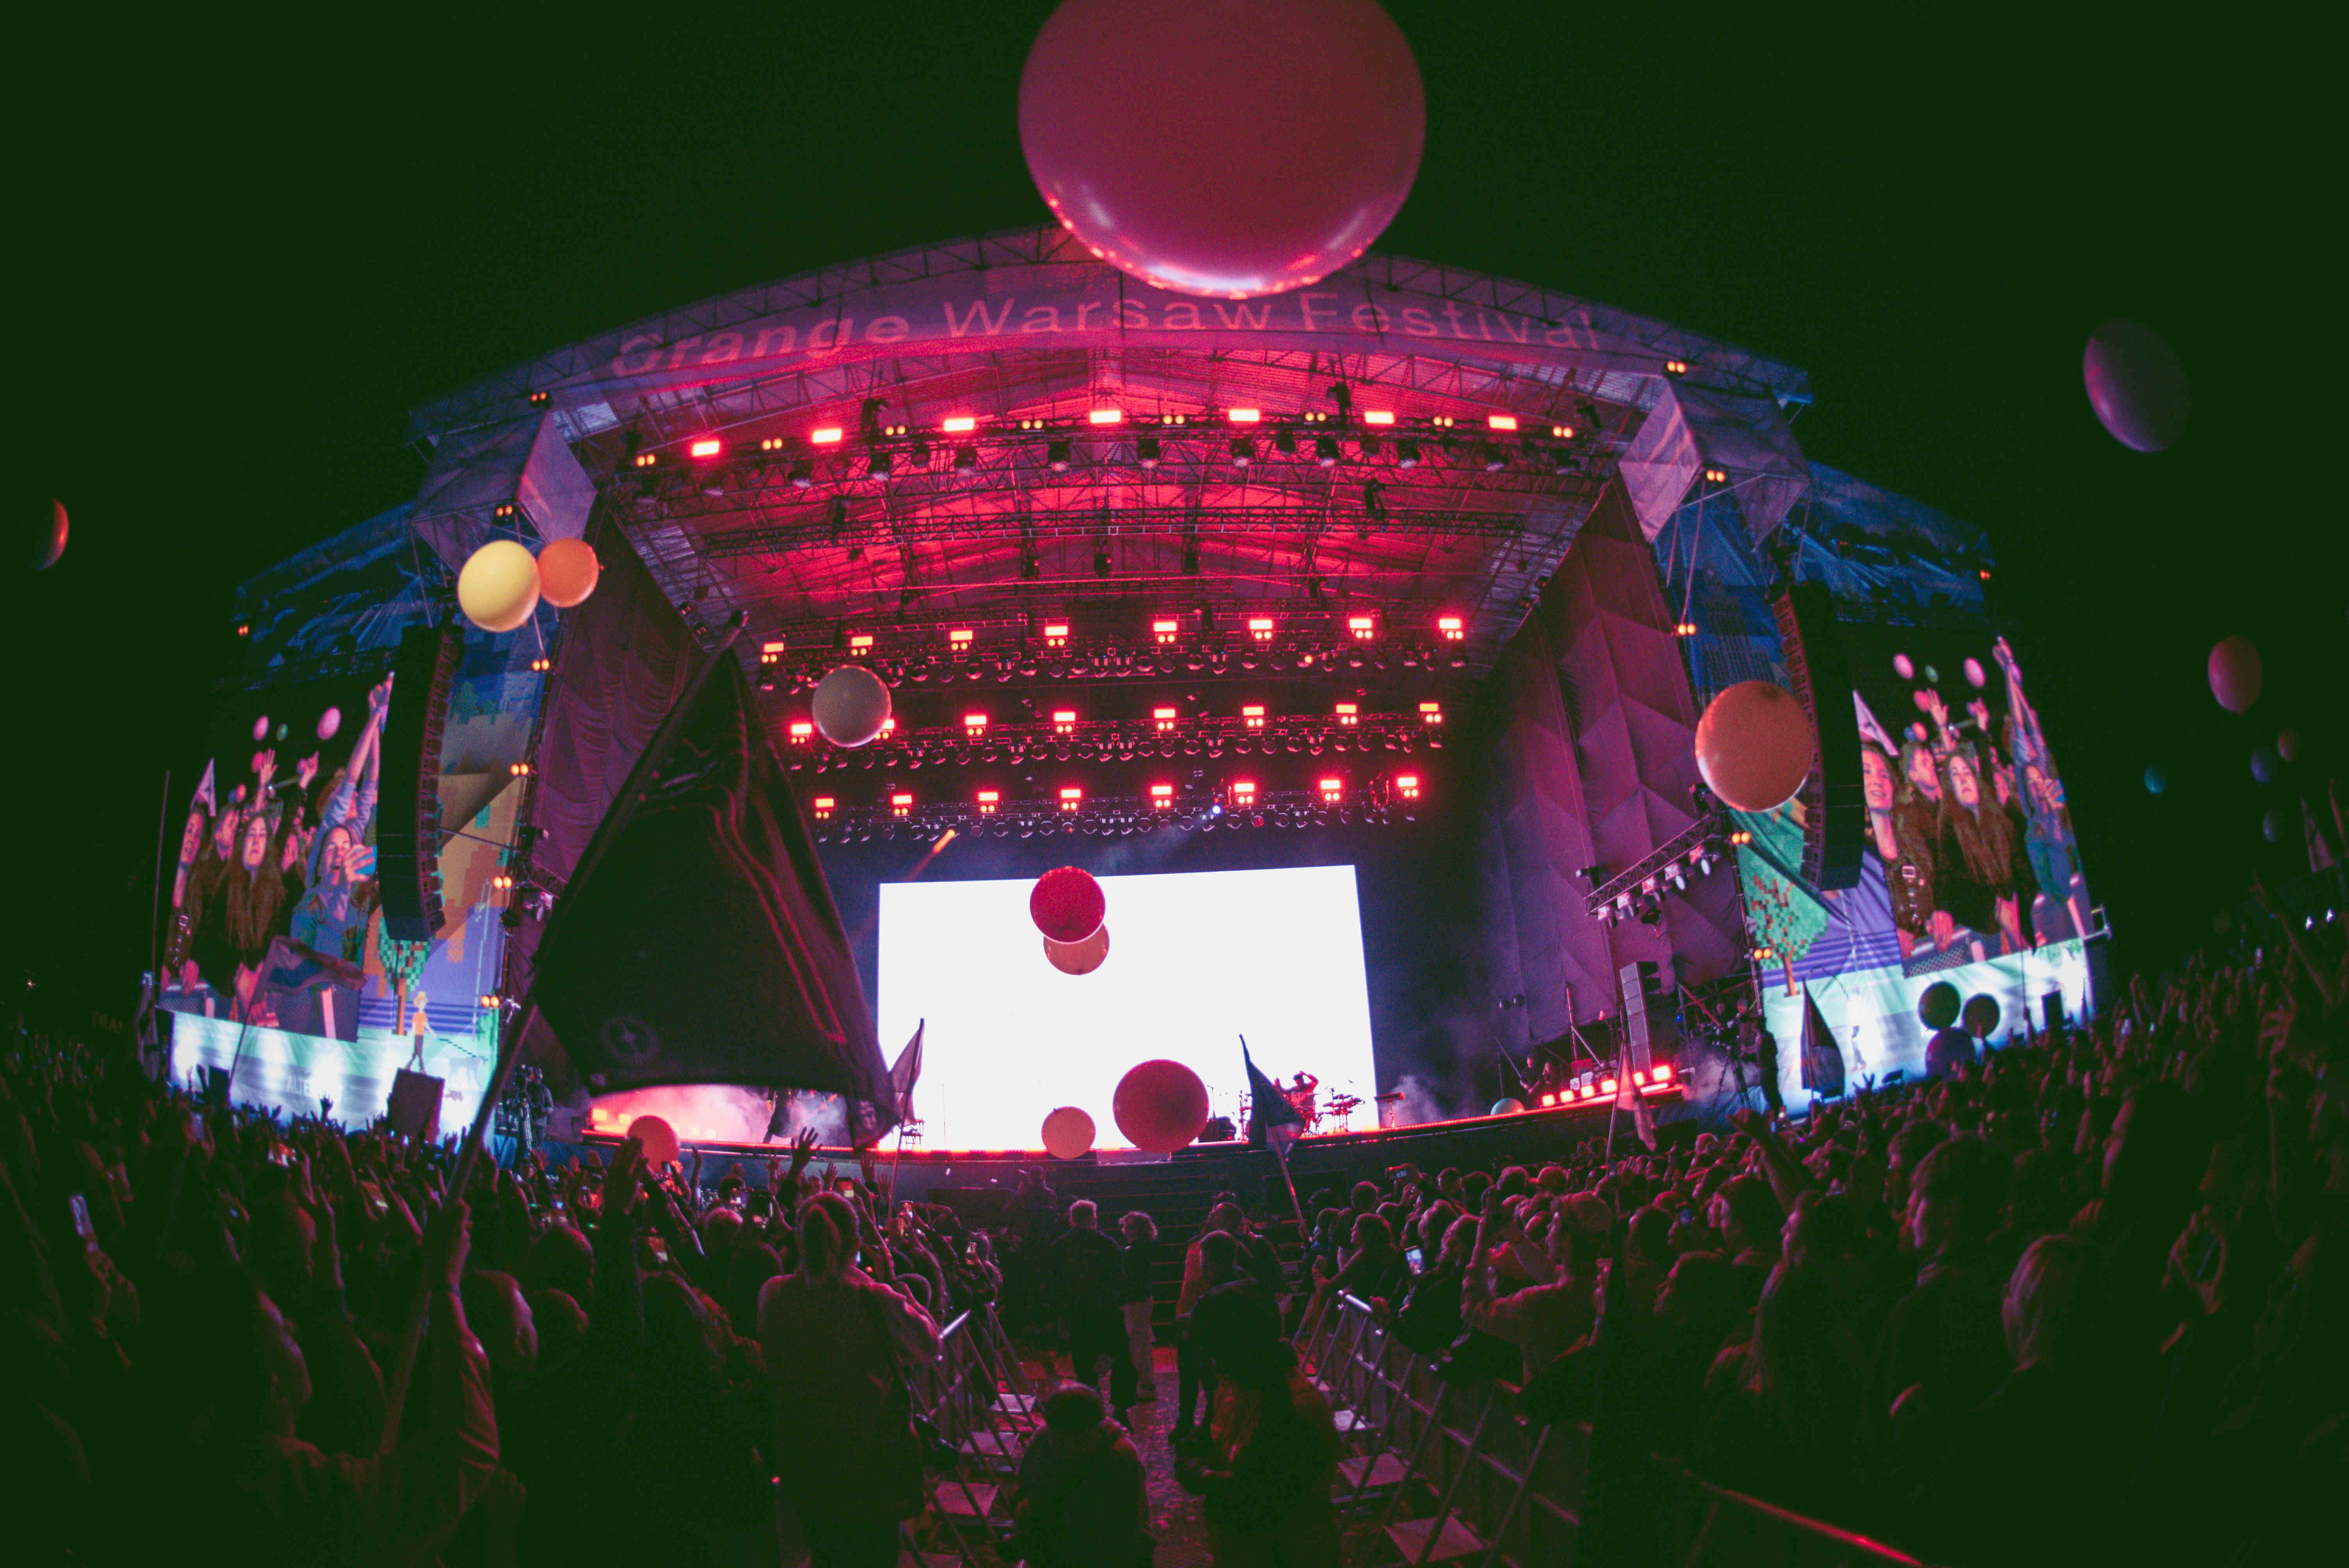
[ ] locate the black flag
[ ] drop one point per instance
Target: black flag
(699, 942)
(1823, 1068)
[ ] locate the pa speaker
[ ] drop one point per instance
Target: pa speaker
(415, 1108)
(407, 816)
(1648, 1016)
(1835, 826)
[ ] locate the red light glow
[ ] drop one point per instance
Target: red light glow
(1245, 415)
(974, 722)
(958, 424)
(1164, 630)
(860, 642)
(988, 799)
(1350, 713)
(825, 805)
(1431, 713)
(1332, 788)
(1064, 720)
(802, 732)
(1243, 789)
(1252, 715)
(1162, 794)
(1055, 635)
(1453, 627)
(825, 435)
(1071, 797)
(1407, 786)
(1260, 628)
(705, 447)
(1163, 718)
(1377, 416)
(1501, 421)
(959, 636)
(1364, 627)
(1105, 417)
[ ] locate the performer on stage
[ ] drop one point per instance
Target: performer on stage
(1300, 1095)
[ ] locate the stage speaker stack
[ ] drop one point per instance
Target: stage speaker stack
(1834, 825)
(407, 816)
(1649, 1024)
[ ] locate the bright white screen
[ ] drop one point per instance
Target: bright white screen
(1197, 959)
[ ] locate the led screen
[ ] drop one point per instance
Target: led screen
(1195, 960)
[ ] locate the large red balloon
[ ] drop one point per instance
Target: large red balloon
(1067, 904)
(1226, 148)
(2136, 385)
(46, 539)
(1753, 745)
(1160, 1106)
(1078, 957)
(2236, 673)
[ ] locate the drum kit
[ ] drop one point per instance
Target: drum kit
(1321, 1116)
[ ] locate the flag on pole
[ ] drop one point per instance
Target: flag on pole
(2320, 854)
(1823, 1065)
(699, 944)
(207, 793)
(1269, 1108)
(906, 1073)
(1628, 1097)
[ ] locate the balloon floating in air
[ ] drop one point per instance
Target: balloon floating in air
(1932, 674)
(1223, 171)
(567, 571)
(658, 1138)
(45, 536)
(1904, 666)
(284, 730)
(1947, 1051)
(851, 706)
(2265, 765)
(1160, 1106)
(1753, 745)
(1078, 957)
(1068, 1133)
(2136, 385)
(261, 728)
(328, 722)
(2236, 673)
(498, 588)
(1976, 676)
(2288, 744)
(1980, 1015)
(1068, 905)
(1937, 1005)
(2156, 778)
(259, 762)
(1507, 1107)
(2273, 826)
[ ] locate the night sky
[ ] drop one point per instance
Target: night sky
(244, 249)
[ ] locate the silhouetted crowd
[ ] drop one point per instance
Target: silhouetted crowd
(2079, 1300)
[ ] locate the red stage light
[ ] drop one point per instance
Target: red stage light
(1431, 713)
(1407, 786)
(823, 806)
(1071, 797)
(1332, 788)
(1444, 421)
(1105, 417)
(1260, 628)
(1364, 627)
(860, 642)
(1162, 719)
(802, 732)
(988, 799)
(705, 447)
(958, 424)
(1501, 421)
(1378, 416)
(1562, 432)
(1549, 1099)
(1663, 1072)
(1164, 630)
(770, 652)
(646, 459)
(1453, 628)
(959, 637)
(1243, 790)
(901, 805)
(1162, 794)
(973, 723)
(1606, 1086)
(1245, 415)
(1675, 366)
(1350, 713)
(825, 435)
(1064, 720)
(1055, 635)
(519, 769)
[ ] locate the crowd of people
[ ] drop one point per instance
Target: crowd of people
(2077, 1297)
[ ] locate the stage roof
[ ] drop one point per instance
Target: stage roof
(999, 433)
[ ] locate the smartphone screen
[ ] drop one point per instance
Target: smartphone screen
(1414, 1259)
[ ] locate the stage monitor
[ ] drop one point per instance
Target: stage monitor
(1197, 959)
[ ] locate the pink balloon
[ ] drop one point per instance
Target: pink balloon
(1160, 1106)
(261, 728)
(1078, 957)
(1904, 666)
(329, 722)
(257, 761)
(2136, 385)
(2236, 673)
(1975, 674)
(1067, 905)
(1753, 745)
(1068, 1133)
(658, 1138)
(1226, 148)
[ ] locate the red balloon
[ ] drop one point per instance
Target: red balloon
(1224, 148)
(1068, 1133)
(1160, 1106)
(2236, 673)
(2136, 385)
(1078, 957)
(1753, 745)
(658, 1138)
(1067, 904)
(46, 540)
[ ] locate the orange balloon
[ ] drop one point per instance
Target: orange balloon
(1068, 1133)
(1753, 745)
(567, 571)
(1160, 1106)
(658, 1138)
(1079, 958)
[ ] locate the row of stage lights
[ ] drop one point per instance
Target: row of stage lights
(1063, 736)
(883, 451)
(1602, 1084)
(1238, 804)
(1645, 901)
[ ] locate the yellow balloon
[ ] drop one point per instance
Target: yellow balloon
(498, 589)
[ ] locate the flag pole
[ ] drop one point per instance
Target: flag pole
(510, 1040)
(1280, 1158)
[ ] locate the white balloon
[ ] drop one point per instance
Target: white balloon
(850, 705)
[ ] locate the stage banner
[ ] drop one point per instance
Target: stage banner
(701, 944)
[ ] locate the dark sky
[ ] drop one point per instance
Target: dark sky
(245, 248)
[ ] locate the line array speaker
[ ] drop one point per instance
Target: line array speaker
(407, 819)
(1834, 823)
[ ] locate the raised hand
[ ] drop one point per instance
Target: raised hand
(803, 1150)
(620, 1181)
